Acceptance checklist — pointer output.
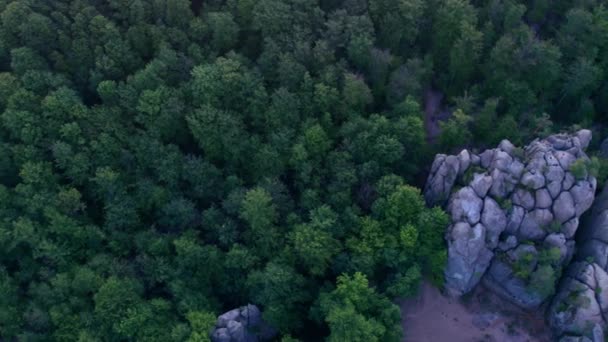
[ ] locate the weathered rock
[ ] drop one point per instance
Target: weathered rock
(464, 160)
(580, 307)
(543, 199)
(441, 181)
(583, 195)
(244, 324)
(563, 207)
(533, 180)
(465, 205)
(558, 241)
(468, 257)
(584, 135)
(495, 221)
(516, 217)
(523, 198)
(508, 244)
(481, 184)
(513, 203)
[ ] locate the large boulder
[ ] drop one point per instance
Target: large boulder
(514, 213)
(244, 324)
(580, 308)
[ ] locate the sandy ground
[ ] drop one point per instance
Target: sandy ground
(433, 317)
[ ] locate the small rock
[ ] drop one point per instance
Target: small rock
(543, 199)
(465, 205)
(523, 198)
(565, 159)
(486, 158)
(495, 221)
(563, 207)
(506, 146)
(533, 180)
(464, 159)
(481, 184)
(584, 135)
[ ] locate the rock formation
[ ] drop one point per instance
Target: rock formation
(514, 213)
(580, 308)
(244, 324)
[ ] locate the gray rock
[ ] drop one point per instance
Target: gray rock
(468, 257)
(554, 173)
(583, 193)
(237, 331)
(533, 180)
(557, 241)
(251, 314)
(565, 159)
(508, 244)
(575, 305)
(486, 158)
(465, 205)
(563, 207)
(568, 182)
(584, 135)
(515, 219)
(437, 162)
(495, 221)
(475, 160)
(523, 199)
(543, 199)
(224, 319)
(502, 161)
(554, 188)
(506, 146)
(513, 205)
(464, 159)
(500, 187)
(569, 228)
(534, 223)
(481, 184)
(221, 335)
(515, 169)
(244, 324)
(598, 333)
(441, 182)
(500, 279)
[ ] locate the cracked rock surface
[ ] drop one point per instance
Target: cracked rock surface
(514, 213)
(579, 311)
(243, 324)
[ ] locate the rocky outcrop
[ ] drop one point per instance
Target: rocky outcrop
(514, 213)
(244, 324)
(580, 308)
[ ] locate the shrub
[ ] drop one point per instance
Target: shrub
(579, 169)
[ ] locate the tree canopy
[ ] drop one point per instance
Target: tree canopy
(164, 161)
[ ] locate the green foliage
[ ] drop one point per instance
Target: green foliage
(505, 203)
(162, 162)
(580, 168)
(455, 131)
(355, 312)
(522, 268)
(543, 280)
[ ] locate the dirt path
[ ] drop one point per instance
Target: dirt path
(432, 317)
(433, 113)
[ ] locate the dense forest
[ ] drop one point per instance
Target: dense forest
(163, 161)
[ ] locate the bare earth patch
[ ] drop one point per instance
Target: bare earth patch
(433, 317)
